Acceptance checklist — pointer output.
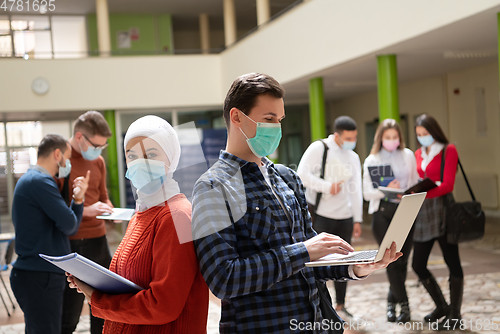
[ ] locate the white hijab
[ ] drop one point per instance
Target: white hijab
(163, 133)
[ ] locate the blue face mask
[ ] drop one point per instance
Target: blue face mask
(267, 138)
(91, 153)
(146, 175)
(349, 145)
(64, 171)
(425, 140)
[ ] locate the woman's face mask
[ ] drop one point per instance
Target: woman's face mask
(146, 175)
(147, 165)
(266, 140)
(425, 140)
(390, 145)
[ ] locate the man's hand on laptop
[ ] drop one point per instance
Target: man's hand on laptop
(324, 244)
(390, 256)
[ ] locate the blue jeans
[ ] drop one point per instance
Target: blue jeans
(97, 250)
(40, 296)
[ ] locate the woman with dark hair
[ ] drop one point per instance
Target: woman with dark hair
(429, 225)
(389, 149)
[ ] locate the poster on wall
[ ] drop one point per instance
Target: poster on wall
(123, 40)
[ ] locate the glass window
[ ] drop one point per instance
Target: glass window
(32, 36)
(62, 128)
(127, 119)
(24, 134)
(30, 22)
(4, 199)
(2, 138)
(5, 45)
(34, 43)
(22, 159)
(5, 38)
(43, 37)
(69, 36)
(202, 119)
(4, 24)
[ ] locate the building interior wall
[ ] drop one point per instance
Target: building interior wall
(451, 99)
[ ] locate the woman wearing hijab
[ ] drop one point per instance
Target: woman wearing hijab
(156, 252)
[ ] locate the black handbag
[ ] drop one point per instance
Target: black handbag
(464, 221)
(335, 323)
(313, 207)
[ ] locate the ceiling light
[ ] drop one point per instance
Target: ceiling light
(470, 54)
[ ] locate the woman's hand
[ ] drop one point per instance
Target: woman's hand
(75, 283)
(393, 184)
(390, 256)
(356, 230)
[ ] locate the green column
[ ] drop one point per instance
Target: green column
(112, 161)
(317, 109)
(387, 79)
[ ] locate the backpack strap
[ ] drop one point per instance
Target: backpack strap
(461, 168)
(321, 175)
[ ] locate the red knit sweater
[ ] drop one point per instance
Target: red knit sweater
(175, 299)
(433, 170)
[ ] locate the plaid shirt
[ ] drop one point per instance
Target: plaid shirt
(250, 255)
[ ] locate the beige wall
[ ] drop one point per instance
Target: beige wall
(456, 113)
(190, 39)
(415, 98)
(280, 48)
(462, 110)
(140, 82)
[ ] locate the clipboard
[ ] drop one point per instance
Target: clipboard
(392, 193)
(93, 274)
(423, 186)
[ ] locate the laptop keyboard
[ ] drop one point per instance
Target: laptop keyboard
(364, 255)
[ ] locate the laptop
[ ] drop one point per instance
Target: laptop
(398, 230)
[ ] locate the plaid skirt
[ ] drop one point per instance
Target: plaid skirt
(430, 221)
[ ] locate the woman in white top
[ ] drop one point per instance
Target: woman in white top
(389, 149)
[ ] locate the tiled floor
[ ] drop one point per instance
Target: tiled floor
(366, 299)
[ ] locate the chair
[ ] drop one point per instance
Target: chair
(4, 266)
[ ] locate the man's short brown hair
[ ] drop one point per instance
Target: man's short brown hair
(92, 123)
(245, 89)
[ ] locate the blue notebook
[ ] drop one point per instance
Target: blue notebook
(381, 175)
(93, 274)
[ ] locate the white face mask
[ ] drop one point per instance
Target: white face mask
(64, 171)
